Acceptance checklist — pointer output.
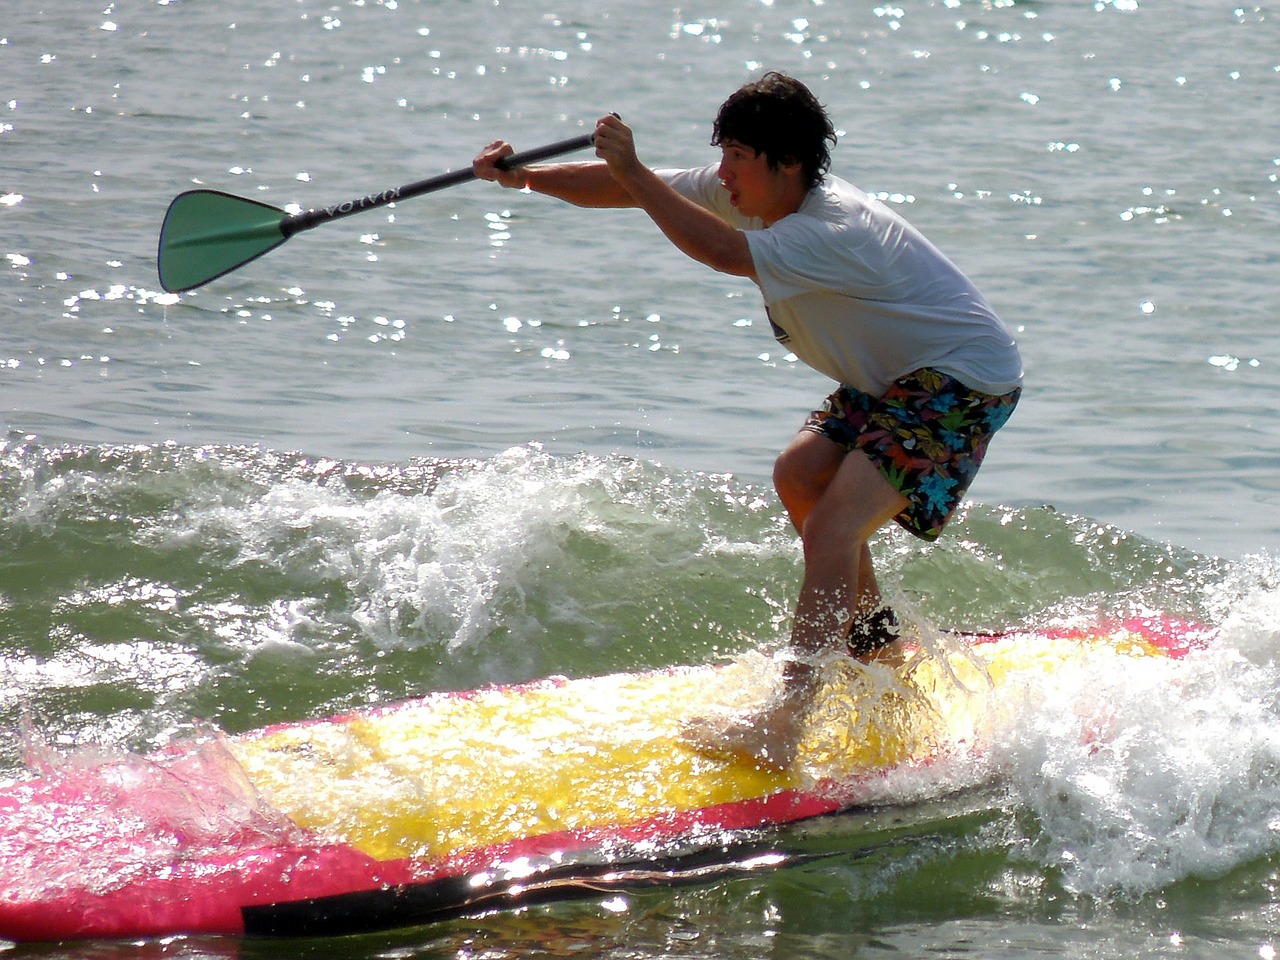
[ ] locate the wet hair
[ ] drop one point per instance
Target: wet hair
(778, 117)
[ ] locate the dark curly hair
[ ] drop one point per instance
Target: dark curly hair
(777, 116)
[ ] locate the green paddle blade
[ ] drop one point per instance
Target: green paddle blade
(207, 233)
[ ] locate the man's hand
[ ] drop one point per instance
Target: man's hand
(616, 146)
(485, 166)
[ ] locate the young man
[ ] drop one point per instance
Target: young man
(927, 371)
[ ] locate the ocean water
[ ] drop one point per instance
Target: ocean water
(484, 437)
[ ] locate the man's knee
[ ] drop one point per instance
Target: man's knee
(788, 479)
(805, 468)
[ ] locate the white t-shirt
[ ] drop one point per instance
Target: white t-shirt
(859, 294)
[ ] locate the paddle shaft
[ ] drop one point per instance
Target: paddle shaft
(313, 218)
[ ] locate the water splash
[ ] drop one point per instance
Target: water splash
(1137, 780)
(98, 817)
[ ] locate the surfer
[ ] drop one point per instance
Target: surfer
(927, 371)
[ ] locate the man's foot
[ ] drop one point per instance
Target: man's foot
(770, 737)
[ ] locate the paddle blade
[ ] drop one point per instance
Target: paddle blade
(207, 233)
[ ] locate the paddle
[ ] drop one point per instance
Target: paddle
(208, 233)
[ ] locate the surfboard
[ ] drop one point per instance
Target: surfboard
(459, 803)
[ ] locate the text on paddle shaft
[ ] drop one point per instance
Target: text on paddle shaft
(373, 200)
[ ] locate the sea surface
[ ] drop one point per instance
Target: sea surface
(483, 437)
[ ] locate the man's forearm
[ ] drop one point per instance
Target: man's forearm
(696, 231)
(584, 184)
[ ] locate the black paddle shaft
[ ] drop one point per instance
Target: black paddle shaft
(312, 218)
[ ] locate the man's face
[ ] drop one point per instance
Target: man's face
(755, 188)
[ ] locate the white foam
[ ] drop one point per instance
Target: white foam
(1139, 777)
(451, 561)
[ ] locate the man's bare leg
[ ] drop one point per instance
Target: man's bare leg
(802, 474)
(837, 501)
(838, 576)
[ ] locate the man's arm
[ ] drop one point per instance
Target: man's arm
(696, 231)
(584, 184)
(622, 181)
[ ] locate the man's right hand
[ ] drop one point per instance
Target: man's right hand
(485, 166)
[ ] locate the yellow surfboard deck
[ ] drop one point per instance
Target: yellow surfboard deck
(456, 772)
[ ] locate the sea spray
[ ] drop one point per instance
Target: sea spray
(1137, 779)
(97, 817)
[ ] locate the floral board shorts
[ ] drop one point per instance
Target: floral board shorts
(927, 434)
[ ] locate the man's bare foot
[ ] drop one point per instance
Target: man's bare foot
(769, 737)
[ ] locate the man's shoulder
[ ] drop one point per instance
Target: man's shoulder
(838, 212)
(837, 199)
(828, 211)
(700, 178)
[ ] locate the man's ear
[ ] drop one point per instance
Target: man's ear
(791, 166)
